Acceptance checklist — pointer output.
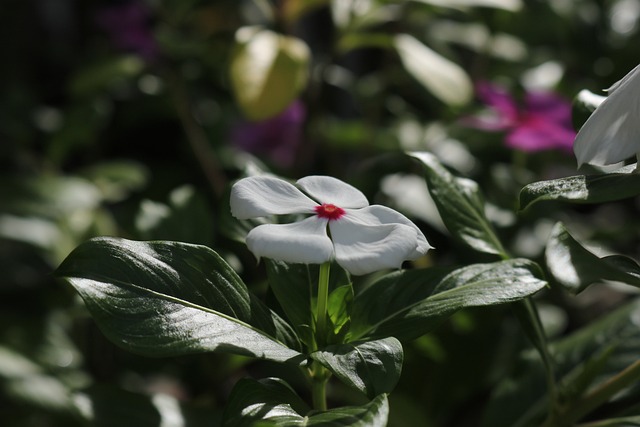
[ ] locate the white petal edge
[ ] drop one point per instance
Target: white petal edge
(378, 214)
(612, 133)
(302, 242)
(327, 189)
(362, 249)
(258, 196)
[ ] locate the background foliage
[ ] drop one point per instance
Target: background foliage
(131, 119)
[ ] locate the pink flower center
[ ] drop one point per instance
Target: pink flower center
(329, 211)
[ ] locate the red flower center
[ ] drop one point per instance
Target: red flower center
(329, 211)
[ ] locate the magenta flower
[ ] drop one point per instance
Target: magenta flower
(543, 122)
(128, 25)
(277, 138)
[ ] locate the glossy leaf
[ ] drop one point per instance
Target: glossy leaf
(268, 71)
(575, 268)
(271, 402)
(600, 188)
(168, 298)
(460, 204)
(370, 367)
(442, 77)
(410, 303)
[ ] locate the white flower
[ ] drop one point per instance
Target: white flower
(612, 132)
(363, 238)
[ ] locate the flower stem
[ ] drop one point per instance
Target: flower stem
(319, 374)
(321, 308)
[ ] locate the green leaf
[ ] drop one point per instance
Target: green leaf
(106, 75)
(24, 381)
(169, 298)
(103, 406)
(594, 353)
(407, 304)
(294, 285)
(370, 367)
(575, 268)
(615, 422)
(252, 400)
(117, 179)
(339, 309)
(442, 77)
(461, 206)
(600, 188)
(268, 71)
(274, 403)
(175, 220)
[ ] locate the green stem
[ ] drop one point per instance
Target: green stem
(528, 315)
(578, 409)
(319, 379)
(321, 308)
(319, 374)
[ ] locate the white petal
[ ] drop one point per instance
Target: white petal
(327, 189)
(378, 214)
(262, 195)
(362, 249)
(304, 242)
(612, 133)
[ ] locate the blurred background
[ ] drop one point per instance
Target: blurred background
(132, 118)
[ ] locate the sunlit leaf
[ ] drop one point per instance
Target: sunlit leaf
(410, 303)
(268, 71)
(272, 402)
(169, 298)
(575, 268)
(460, 204)
(442, 77)
(370, 367)
(599, 188)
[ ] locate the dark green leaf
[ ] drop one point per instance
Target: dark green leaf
(410, 303)
(252, 400)
(575, 268)
(169, 298)
(607, 345)
(605, 187)
(461, 206)
(106, 75)
(271, 402)
(370, 367)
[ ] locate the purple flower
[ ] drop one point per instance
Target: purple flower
(277, 138)
(128, 25)
(542, 122)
